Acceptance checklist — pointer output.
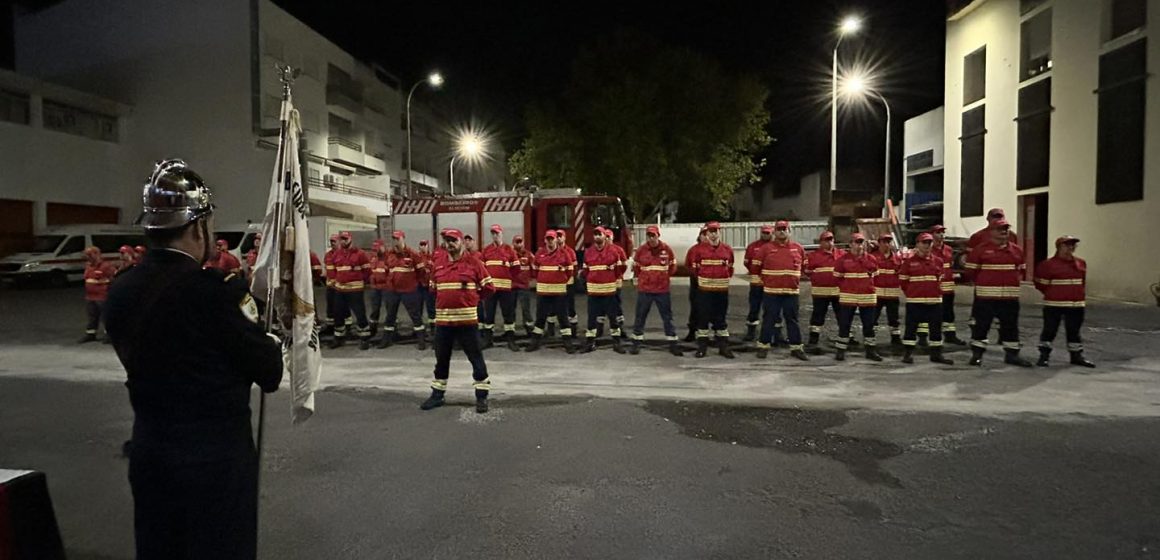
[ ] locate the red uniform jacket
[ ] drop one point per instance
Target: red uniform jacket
(653, 267)
(503, 265)
(886, 283)
(316, 267)
(523, 279)
(856, 280)
(947, 255)
(379, 277)
(553, 270)
(713, 267)
(424, 272)
(781, 267)
(820, 269)
(403, 270)
(602, 269)
(921, 278)
(997, 271)
(226, 262)
(572, 259)
(753, 261)
(352, 270)
(984, 236)
(1062, 282)
(97, 279)
(624, 259)
(459, 285)
(331, 273)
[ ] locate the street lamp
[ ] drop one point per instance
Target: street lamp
(856, 86)
(468, 146)
(849, 26)
(434, 79)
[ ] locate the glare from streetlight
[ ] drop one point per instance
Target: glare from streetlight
(851, 24)
(854, 85)
(471, 146)
(435, 79)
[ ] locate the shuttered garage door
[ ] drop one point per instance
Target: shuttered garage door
(59, 214)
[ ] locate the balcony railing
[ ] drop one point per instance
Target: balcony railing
(346, 189)
(346, 143)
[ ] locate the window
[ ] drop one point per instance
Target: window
(1126, 16)
(1034, 135)
(1026, 6)
(13, 107)
(975, 76)
(971, 178)
(113, 243)
(233, 238)
(74, 245)
(560, 216)
(74, 120)
(606, 214)
(46, 243)
(1036, 46)
(1120, 131)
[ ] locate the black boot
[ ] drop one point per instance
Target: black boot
(481, 405)
(702, 347)
(422, 336)
(936, 356)
(872, 353)
(951, 338)
(569, 345)
(692, 336)
(762, 351)
(617, 345)
(1077, 359)
(812, 346)
(510, 337)
(840, 355)
(634, 348)
(1044, 354)
(723, 348)
(387, 340)
(896, 341)
(434, 401)
(534, 345)
(750, 333)
(1012, 357)
(87, 338)
(799, 354)
(486, 335)
(976, 356)
(364, 343)
(908, 355)
(374, 328)
(589, 345)
(337, 342)
(675, 350)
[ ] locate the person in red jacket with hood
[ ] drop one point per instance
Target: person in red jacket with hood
(129, 259)
(713, 265)
(653, 266)
(1062, 280)
(98, 274)
(352, 270)
(553, 270)
(603, 269)
(820, 265)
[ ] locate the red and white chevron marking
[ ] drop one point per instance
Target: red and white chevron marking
(416, 206)
(505, 204)
(578, 223)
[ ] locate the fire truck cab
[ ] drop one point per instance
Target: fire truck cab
(530, 214)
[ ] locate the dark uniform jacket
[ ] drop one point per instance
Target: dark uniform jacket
(192, 344)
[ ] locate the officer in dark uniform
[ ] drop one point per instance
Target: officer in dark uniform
(192, 345)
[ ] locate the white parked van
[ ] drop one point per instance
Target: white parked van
(57, 255)
(239, 236)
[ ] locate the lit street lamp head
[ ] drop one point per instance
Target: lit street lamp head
(850, 25)
(435, 79)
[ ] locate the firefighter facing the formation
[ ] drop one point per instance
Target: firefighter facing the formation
(192, 345)
(603, 270)
(712, 263)
(503, 264)
(552, 268)
(782, 261)
(997, 268)
(223, 260)
(459, 281)
(653, 266)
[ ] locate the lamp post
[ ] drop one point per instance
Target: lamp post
(849, 26)
(435, 79)
(857, 86)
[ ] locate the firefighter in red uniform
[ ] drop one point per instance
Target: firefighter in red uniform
(1061, 279)
(128, 260)
(653, 266)
(756, 286)
(522, 282)
(689, 256)
(570, 300)
(317, 272)
(352, 271)
(782, 261)
(887, 287)
(252, 255)
(947, 254)
(618, 301)
(997, 269)
(603, 267)
(98, 274)
(330, 274)
(920, 277)
(856, 295)
(552, 268)
(983, 236)
(713, 265)
(379, 283)
(459, 282)
(503, 265)
(425, 292)
(403, 266)
(223, 260)
(823, 286)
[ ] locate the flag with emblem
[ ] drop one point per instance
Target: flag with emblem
(282, 274)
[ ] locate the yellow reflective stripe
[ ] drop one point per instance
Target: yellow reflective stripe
(857, 298)
(342, 268)
(1060, 282)
(461, 314)
(997, 291)
(853, 274)
(972, 266)
(707, 283)
(997, 266)
(948, 286)
(888, 292)
(824, 269)
(349, 285)
(544, 288)
(402, 269)
(781, 291)
(505, 283)
(924, 300)
(885, 272)
(598, 267)
(96, 281)
(712, 262)
(794, 273)
(455, 286)
(655, 268)
(496, 263)
(827, 291)
(603, 288)
(1050, 303)
(922, 278)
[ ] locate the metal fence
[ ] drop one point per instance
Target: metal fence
(739, 234)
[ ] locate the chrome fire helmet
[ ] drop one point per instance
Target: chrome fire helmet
(174, 196)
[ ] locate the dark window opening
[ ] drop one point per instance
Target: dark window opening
(975, 76)
(1120, 129)
(1034, 145)
(971, 178)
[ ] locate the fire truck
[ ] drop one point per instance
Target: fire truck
(530, 214)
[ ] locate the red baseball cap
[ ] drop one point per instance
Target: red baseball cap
(886, 235)
(1065, 239)
(452, 233)
(561, 233)
(139, 248)
(766, 228)
(1000, 224)
(938, 228)
(599, 230)
(550, 235)
(653, 230)
(518, 239)
(925, 237)
(712, 226)
(826, 235)
(857, 237)
(996, 213)
(398, 234)
(781, 224)
(496, 228)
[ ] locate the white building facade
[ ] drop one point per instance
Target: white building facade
(923, 160)
(1051, 114)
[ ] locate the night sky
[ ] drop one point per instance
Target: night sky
(499, 56)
